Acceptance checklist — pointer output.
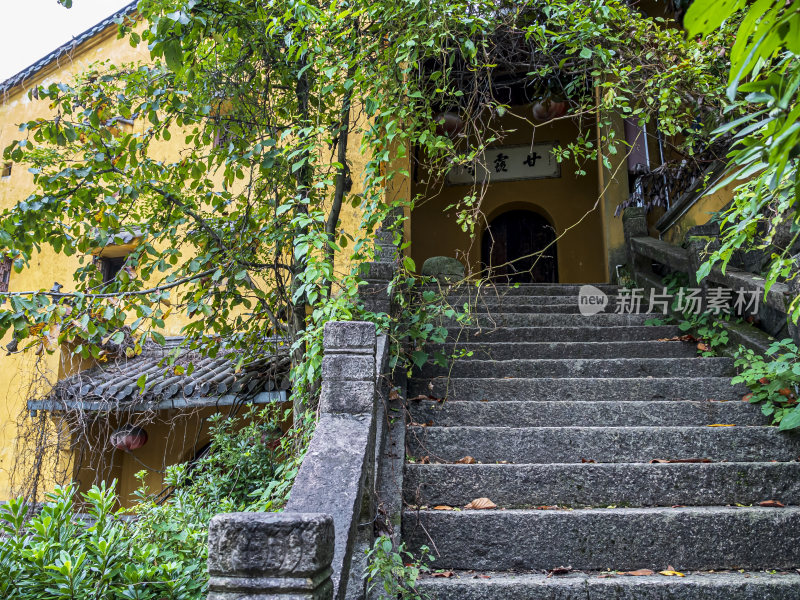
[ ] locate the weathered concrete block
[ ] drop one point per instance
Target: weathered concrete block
(349, 367)
(261, 556)
(351, 397)
(349, 336)
(443, 267)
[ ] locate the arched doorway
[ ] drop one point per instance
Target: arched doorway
(510, 246)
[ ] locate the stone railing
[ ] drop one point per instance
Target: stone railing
(306, 551)
(646, 255)
(315, 548)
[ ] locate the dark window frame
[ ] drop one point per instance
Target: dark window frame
(6, 265)
(111, 265)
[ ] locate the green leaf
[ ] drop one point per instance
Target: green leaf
(173, 54)
(419, 358)
(704, 16)
(791, 420)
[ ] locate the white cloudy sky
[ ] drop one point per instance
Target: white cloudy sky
(29, 29)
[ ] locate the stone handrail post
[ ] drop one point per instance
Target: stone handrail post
(374, 293)
(266, 556)
(634, 224)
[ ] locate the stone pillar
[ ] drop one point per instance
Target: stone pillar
(270, 556)
(375, 292)
(634, 223)
(348, 368)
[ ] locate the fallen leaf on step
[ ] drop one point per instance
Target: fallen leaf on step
(747, 397)
(661, 461)
(467, 460)
(606, 575)
(722, 425)
(588, 460)
(425, 460)
(443, 507)
(638, 572)
(482, 576)
(552, 507)
(559, 571)
(393, 395)
(671, 573)
(703, 347)
(771, 504)
(481, 504)
(445, 574)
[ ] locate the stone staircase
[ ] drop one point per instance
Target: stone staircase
(564, 415)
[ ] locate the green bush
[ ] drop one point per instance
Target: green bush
(774, 382)
(82, 547)
(57, 555)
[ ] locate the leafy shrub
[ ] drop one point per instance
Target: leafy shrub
(774, 383)
(58, 555)
(159, 552)
(396, 571)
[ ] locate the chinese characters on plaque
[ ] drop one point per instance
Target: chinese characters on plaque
(510, 163)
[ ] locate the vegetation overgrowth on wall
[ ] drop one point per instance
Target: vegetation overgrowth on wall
(240, 231)
(277, 103)
(762, 116)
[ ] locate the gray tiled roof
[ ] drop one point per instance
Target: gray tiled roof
(114, 384)
(65, 49)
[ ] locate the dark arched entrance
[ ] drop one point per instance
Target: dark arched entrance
(510, 246)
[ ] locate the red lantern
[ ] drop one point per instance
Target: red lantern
(449, 124)
(547, 110)
(128, 437)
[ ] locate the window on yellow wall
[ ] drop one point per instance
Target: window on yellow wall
(110, 266)
(113, 257)
(5, 172)
(222, 136)
(5, 274)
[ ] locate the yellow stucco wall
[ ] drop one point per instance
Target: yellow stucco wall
(175, 437)
(699, 213)
(571, 203)
(17, 372)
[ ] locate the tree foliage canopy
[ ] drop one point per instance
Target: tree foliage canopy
(271, 102)
(763, 108)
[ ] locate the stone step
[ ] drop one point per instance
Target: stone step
(558, 308)
(691, 538)
(527, 350)
(581, 367)
(583, 388)
(593, 586)
(522, 289)
(508, 319)
(583, 413)
(587, 333)
(601, 485)
(601, 444)
(492, 300)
